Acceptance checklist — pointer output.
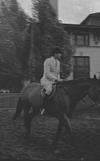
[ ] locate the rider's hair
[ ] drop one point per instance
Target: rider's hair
(56, 50)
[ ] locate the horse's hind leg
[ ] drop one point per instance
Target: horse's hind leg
(18, 109)
(28, 117)
(27, 122)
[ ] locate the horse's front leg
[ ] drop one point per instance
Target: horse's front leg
(57, 135)
(68, 128)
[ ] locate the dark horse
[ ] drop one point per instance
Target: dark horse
(61, 105)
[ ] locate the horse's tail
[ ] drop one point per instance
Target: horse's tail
(18, 109)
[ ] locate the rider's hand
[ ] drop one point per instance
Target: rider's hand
(60, 80)
(56, 81)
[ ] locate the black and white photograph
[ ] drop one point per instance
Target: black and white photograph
(50, 80)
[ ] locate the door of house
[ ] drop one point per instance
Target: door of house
(81, 67)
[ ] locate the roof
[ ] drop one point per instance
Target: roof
(78, 27)
(92, 19)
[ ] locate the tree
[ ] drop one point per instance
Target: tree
(13, 36)
(48, 33)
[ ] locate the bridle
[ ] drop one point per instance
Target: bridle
(93, 93)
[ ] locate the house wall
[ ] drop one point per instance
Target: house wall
(94, 54)
(93, 51)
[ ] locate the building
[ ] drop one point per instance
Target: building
(86, 39)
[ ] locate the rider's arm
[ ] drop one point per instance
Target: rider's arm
(59, 78)
(47, 71)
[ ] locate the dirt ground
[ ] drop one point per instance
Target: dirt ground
(86, 130)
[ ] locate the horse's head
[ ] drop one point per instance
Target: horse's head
(94, 91)
(81, 87)
(69, 93)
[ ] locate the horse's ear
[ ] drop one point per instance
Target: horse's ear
(93, 89)
(93, 93)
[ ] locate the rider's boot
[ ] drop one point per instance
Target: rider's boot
(44, 105)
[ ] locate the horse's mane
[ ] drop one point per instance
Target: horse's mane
(67, 83)
(77, 81)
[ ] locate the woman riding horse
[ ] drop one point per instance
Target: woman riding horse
(51, 74)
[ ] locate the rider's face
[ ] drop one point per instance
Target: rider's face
(58, 56)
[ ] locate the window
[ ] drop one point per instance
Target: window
(96, 38)
(81, 39)
(81, 67)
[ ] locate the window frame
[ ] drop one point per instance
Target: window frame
(84, 35)
(78, 66)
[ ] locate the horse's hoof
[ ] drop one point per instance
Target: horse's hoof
(27, 137)
(14, 123)
(14, 117)
(82, 159)
(56, 151)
